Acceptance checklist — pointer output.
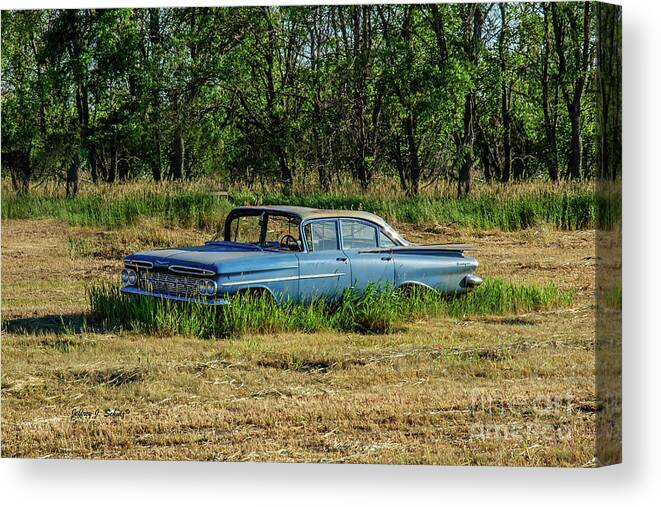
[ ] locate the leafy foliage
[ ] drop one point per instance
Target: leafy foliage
(263, 94)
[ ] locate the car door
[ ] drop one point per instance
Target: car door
(378, 268)
(324, 269)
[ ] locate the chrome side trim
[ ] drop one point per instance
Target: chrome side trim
(329, 275)
(206, 301)
(190, 270)
(422, 248)
(139, 264)
(263, 280)
(281, 279)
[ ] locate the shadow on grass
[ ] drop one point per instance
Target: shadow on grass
(69, 324)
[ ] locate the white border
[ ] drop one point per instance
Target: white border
(28, 482)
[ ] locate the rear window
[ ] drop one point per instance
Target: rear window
(385, 240)
(358, 235)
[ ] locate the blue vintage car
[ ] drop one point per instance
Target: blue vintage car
(297, 254)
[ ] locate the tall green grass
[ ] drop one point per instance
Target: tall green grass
(373, 311)
(505, 208)
(609, 208)
(184, 207)
(611, 297)
(569, 210)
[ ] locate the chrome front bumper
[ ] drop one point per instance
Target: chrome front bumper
(206, 301)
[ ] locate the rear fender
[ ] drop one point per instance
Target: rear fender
(442, 273)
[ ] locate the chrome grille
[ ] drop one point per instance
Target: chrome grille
(164, 283)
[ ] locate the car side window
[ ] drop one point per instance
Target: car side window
(358, 235)
(385, 240)
(321, 235)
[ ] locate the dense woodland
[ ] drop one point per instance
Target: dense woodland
(500, 92)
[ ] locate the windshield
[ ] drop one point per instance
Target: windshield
(266, 230)
(246, 229)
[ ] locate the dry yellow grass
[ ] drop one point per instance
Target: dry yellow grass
(512, 390)
(384, 186)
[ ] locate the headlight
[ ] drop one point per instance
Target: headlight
(132, 277)
(202, 287)
(211, 287)
(125, 275)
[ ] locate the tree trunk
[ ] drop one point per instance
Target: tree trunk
(518, 169)
(465, 141)
(413, 186)
(550, 116)
(177, 158)
(93, 167)
(575, 158)
(465, 179)
(609, 91)
(572, 96)
(486, 169)
(399, 162)
(155, 164)
(507, 132)
(360, 55)
(286, 176)
(112, 170)
(123, 169)
(361, 171)
(486, 157)
(82, 106)
(72, 177)
(324, 180)
(20, 168)
(156, 167)
(439, 32)
(14, 181)
(315, 55)
(154, 116)
(505, 99)
(101, 165)
(586, 163)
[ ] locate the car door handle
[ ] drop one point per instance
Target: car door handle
(341, 259)
(386, 258)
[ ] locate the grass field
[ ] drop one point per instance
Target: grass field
(566, 206)
(508, 387)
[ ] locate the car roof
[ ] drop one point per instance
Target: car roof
(311, 213)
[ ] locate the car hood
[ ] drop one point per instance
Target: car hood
(219, 257)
